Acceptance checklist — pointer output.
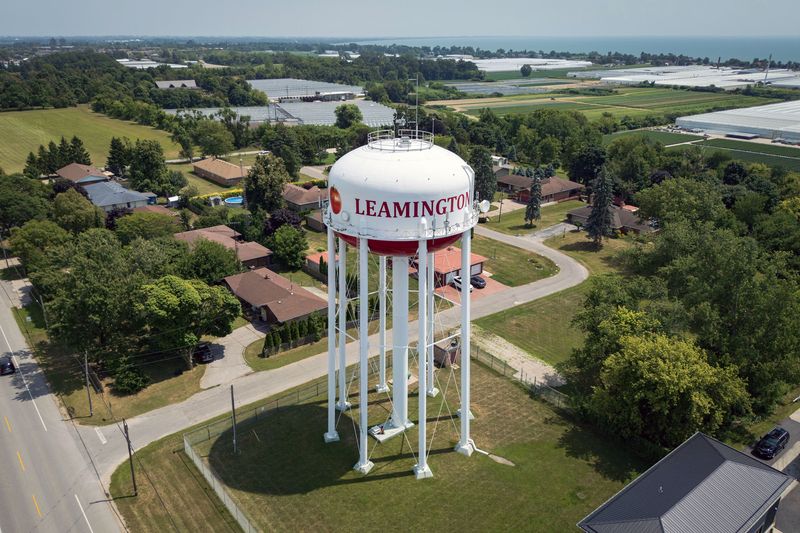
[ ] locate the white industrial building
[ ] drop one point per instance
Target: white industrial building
(506, 64)
(689, 76)
(773, 121)
(295, 90)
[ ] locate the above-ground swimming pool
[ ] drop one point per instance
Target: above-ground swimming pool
(234, 201)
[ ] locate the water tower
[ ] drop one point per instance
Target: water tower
(403, 197)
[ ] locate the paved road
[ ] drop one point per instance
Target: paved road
(318, 172)
(47, 482)
(214, 401)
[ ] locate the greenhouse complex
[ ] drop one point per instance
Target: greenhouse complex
(774, 121)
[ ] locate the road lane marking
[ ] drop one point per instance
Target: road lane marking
(21, 464)
(39, 511)
(16, 363)
(84, 514)
(8, 425)
(100, 435)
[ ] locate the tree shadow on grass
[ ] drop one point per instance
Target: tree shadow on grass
(284, 454)
(610, 458)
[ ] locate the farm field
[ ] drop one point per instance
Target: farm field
(286, 478)
(23, 131)
(630, 101)
(664, 137)
(752, 152)
(744, 146)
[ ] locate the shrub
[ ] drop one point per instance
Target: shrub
(129, 378)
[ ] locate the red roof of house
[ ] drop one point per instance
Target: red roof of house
(221, 168)
(449, 260)
(77, 172)
(227, 237)
(301, 196)
(285, 300)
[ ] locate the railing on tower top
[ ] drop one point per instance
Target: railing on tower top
(403, 141)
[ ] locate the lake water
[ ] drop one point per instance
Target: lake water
(785, 48)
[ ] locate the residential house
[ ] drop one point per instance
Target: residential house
(110, 195)
(314, 221)
(275, 299)
(622, 220)
(81, 174)
(251, 254)
(554, 188)
(301, 199)
(447, 265)
(702, 485)
(220, 171)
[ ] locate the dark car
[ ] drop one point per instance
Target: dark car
(202, 354)
(772, 443)
(477, 281)
(7, 367)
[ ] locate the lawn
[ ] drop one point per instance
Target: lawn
(510, 265)
(750, 152)
(513, 222)
(664, 137)
(65, 375)
(203, 185)
(23, 131)
(543, 327)
(287, 479)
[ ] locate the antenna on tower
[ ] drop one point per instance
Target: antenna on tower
(416, 104)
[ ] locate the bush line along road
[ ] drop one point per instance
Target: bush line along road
(106, 446)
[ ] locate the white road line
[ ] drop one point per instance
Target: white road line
(84, 515)
(100, 435)
(16, 363)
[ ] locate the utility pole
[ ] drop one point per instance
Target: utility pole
(501, 206)
(130, 456)
(88, 392)
(233, 415)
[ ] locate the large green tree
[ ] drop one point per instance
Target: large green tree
(33, 242)
(664, 389)
(212, 137)
(176, 313)
(264, 183)
(210, 262)
(681, 199)
(533, 211)
(119, 156)
(289, 245)
(21, 200)
(145, 225)
(347, 115)
(485, 182)
(631, 160)
(599, 224)
(75, 213)
(148, 170)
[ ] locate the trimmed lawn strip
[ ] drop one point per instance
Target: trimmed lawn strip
(771, 149)
(64, 373)
(510, 265)
(513, 222)
(664, 137)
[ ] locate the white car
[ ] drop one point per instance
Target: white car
(458, 284)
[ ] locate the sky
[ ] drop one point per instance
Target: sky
(396, 18)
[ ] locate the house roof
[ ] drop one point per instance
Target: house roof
(620, 218)
(285, 300)
(294, 194)
(221, 168)
(702, 485)
(227, 237)
(107, 193)
(449, 260)
(78, 173)
(176, 84)
(550, 186)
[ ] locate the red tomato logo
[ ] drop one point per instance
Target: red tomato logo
(335, 200)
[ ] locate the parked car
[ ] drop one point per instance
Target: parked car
(202, 353)
(477, 282)
(7, 366)
(772, 443)
(457, 283)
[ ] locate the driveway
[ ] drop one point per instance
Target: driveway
(316, 172)
(228, 351)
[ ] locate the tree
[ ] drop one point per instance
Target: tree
(78, 153)
(21, 200)
(148, 170)
(283, 142)
(681, 199)
(631, 161)
(212, 137)
(598, 225)
(533, 210)
(144, 225)
(176, 313)
(119, 156)
(526, 70)
(210, 261)
(289, 245)
(585, 165)
(33, 169)
(664, 389)
(485, 181)
(75, 213)
(279, 218)
(347, 115)
(33, 241)
(264, 183)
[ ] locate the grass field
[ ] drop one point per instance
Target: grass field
(287, 479)
(769, 154)
(66, 379)
(513, 222)
(630, 101)
(510, 265)
(543, 327)
(664, 137)
(23, 131)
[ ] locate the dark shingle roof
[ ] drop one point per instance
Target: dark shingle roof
(264, 288)
(702, 485)
(106, 193)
